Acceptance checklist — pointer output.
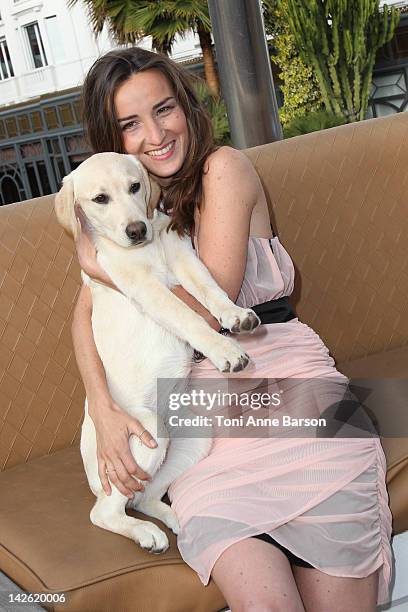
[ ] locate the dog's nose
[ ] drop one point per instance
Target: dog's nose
(136, 231)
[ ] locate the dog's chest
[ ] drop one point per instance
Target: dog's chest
(154, 256)
(149, 258)
(123, 331)
(158, 260)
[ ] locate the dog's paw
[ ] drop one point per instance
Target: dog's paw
(150, 537)
(161, 511)
(239, 320)
(228, 356)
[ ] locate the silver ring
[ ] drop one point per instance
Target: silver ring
(141, 434)
(109, 471)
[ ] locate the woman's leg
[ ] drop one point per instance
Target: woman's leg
(321, 592)
(254, 575)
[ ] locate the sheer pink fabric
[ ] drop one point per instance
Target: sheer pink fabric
(323, 499)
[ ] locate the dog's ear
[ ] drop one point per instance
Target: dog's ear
(65, 207)
(155, 193)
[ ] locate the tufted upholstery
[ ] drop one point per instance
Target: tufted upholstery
(41, 395)
(338, 202)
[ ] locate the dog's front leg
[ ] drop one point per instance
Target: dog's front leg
(161, 305)
(109, 513)
(193, 275)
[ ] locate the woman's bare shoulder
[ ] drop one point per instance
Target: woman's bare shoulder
(230, 176)
(230, 169)
(227, 156)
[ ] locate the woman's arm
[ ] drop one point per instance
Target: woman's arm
(195, 305)
(88, 361)
(88, 262)
(113, 425)
(231, 189)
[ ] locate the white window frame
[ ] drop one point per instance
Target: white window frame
(9, 65)
(55, 56)
(40, 42)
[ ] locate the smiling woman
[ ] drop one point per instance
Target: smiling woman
(158, 134)
(150, 109)
(321, 504)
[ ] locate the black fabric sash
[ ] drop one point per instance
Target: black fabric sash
(275, 311)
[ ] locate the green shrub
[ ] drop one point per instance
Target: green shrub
(313, 122)
(216, 108)
(301, 94)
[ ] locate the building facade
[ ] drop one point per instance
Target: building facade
(47, 47)
(389, 92)
(44, 47)
(40, 143)
(46, 50)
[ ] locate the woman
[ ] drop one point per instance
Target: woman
(323, 501)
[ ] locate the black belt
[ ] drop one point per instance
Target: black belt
(274, 311)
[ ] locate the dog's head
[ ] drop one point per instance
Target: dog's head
(116, 196)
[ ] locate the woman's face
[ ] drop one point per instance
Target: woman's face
(153, 124)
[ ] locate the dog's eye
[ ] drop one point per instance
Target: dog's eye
(134, 188)
(101, 198)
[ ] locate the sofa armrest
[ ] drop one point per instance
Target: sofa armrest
(387, 375)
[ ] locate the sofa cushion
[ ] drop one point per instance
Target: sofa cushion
(390, 364)
(389, 373)
(48, 543)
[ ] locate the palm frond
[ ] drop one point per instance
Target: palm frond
(131, 20)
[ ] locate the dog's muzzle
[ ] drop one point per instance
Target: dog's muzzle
(136, 231)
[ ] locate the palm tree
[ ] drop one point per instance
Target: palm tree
(195, 12)
(130, 20)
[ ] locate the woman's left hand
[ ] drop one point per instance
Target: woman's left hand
(87, 253)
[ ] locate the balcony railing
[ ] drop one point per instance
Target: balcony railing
(43, 80)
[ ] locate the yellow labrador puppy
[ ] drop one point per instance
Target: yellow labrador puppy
(144, 332)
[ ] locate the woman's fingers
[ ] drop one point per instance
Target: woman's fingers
(123, 472)
(136, 428)
(144, 436)
(86, 250)
(103, 477)
(84, 245)
(79, 233)
(120, 477)
(79, 213)
(81, 225)
(115, 456)
(132, 468)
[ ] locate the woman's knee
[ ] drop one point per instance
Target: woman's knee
(255, 576)
(321, 591)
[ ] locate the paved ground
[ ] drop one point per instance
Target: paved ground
(6, 589)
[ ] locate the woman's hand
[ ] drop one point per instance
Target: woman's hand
(87, 253)
(113, 429)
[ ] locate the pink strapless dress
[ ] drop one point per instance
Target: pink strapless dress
(324, 499)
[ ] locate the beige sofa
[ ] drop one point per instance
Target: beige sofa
(338, 202)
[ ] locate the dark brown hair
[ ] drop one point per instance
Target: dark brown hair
(104, 133)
